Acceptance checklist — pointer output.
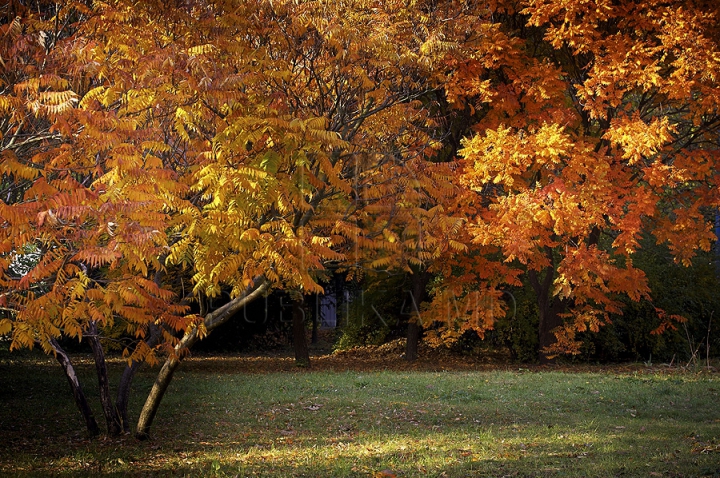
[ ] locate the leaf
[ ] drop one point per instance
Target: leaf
(5, 326)
(270, 162)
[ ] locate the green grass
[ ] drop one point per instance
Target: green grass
(216, 421)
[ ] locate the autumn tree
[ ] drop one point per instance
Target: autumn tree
(601, 122)
(79, 204)
(251, 144)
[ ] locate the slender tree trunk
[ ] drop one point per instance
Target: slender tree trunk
(315, 318)
(300, 345)
(414, 330)
(549, 307)
(211, 321)
(112, 418)
(162, 382)
(123, 392)
(80, 400)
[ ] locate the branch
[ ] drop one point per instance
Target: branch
(221, 315)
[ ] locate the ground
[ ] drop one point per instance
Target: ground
(367, 412)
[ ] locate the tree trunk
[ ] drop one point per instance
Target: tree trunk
(549, 308)
(162, 381)
(123, 392)
(549, 320)
(414, 330)
(413, 340)
(211, 321)
(302, 353)
(112, 418)
(80, 400)
(315, 318)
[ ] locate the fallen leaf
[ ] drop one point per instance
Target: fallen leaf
(385, 474)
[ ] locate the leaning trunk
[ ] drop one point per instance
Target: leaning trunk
(210, 321)
(162, 382)
(112, 419)
(77, 391)
(302, 352)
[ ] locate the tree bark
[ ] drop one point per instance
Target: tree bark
(211, 321)
(112, 418)
(123, 392)
(413, 340)
(549, 307)
(549, 320)
(300, 345)
(414, 330)
(315, 318)
(80, 400)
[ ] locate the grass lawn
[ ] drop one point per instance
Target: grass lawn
(220, 420)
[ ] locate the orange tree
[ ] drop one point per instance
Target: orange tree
(601, 121)
(246, 144)
(83, 228)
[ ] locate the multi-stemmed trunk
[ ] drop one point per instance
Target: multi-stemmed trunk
(116, 415)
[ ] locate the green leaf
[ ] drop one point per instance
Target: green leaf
(270, 162)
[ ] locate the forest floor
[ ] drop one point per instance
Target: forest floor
(368, 412)
(391, 356)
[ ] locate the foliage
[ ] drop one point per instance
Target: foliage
(238, 156)
(601, 121)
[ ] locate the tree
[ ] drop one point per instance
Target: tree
(601, 123)
(94, 228)
(250, 143)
